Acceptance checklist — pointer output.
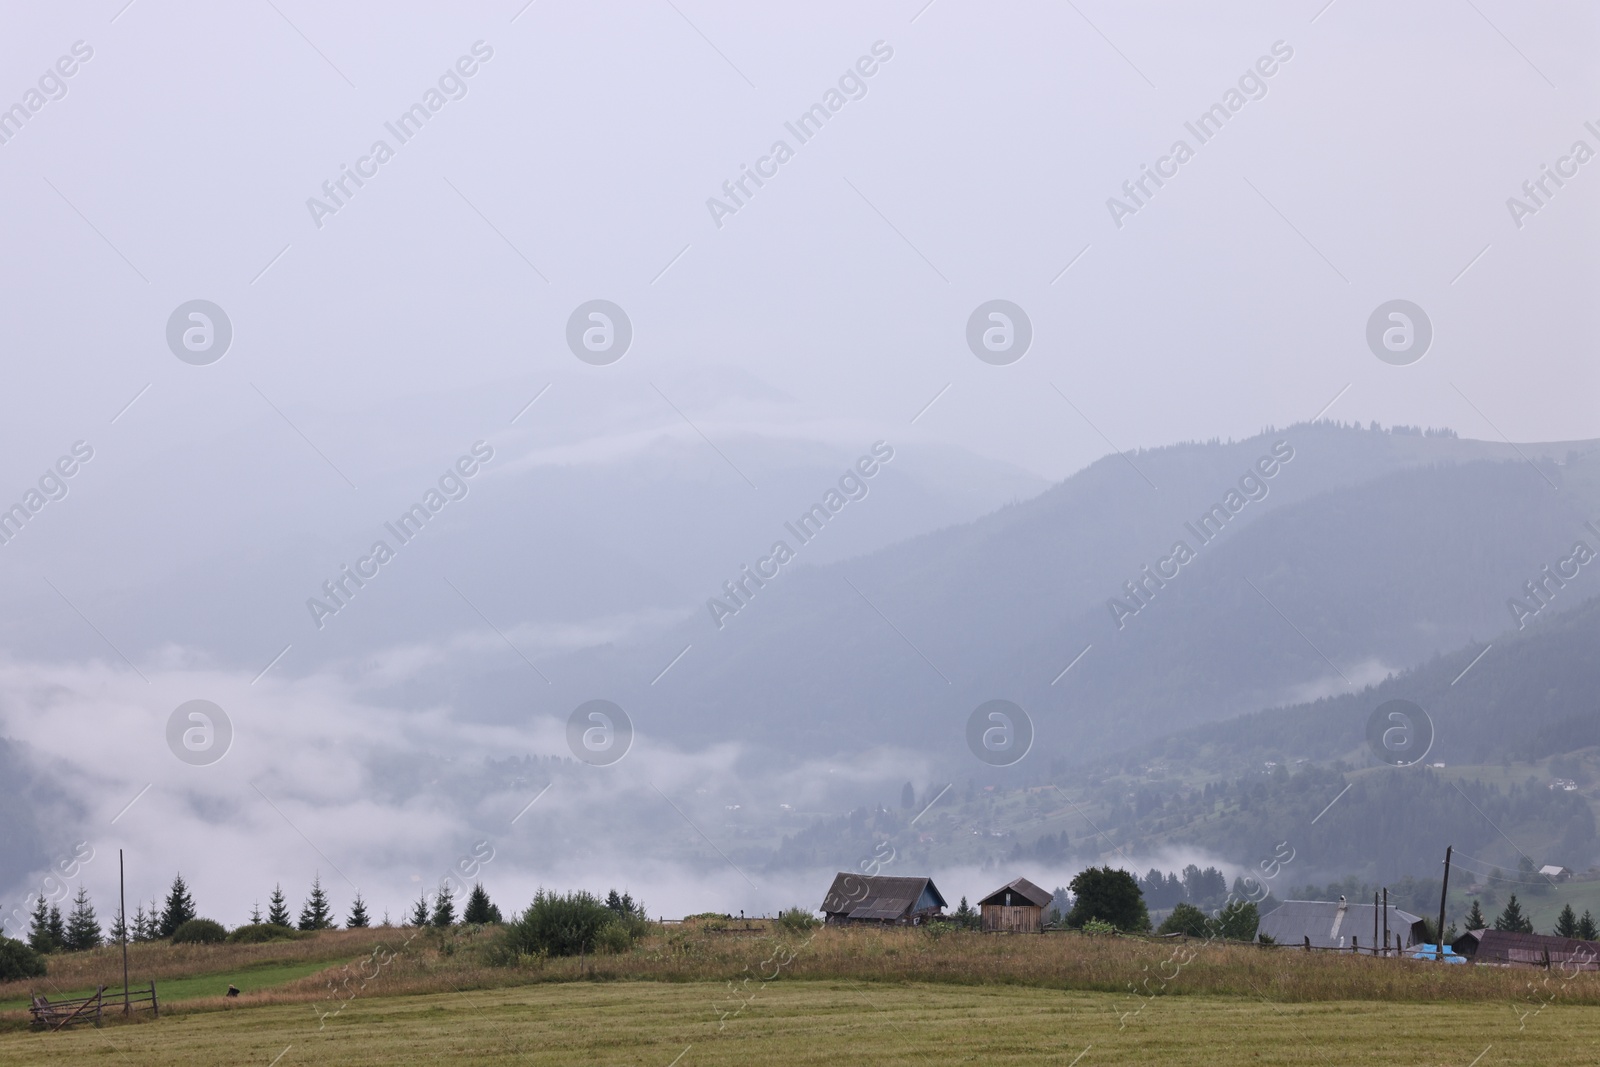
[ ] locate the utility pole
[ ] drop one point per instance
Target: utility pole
(1443, 889)
(122, 891)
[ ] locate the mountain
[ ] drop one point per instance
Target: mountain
(1365, 552)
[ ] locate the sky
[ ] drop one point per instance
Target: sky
(376, 334)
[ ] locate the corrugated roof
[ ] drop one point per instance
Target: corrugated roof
(1023, 892)
(859, 896)
(1331, 924)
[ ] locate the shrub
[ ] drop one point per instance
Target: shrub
(256, 933)
(568, 924)
(17, 960)
(1098, 926)
(1185, 919)
(798, 920)
(199, 932)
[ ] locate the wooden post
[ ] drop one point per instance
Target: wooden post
(1385, 920)
(1444, 888)
(1355, 945)
(1308, 942)
(122, 891)
(154, 1007)
(1375, 942)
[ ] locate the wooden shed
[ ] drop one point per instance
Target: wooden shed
(1015, 908)
(860, 898)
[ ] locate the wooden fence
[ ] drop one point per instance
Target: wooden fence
(57, 1014)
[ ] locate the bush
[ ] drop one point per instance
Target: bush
(1185, 919)
(798, 920)
(17, 960)
(1098, 926)
(256, 933)
(199, 932)
(567, 924)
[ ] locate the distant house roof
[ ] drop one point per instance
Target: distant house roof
(1018, 893)
(880, 898)
(1504, 946)
(1551, 870)
(1332, 924)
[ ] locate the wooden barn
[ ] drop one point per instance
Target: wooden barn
(1015, 908)
(858, 898)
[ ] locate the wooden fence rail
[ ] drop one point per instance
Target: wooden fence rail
(58, 1014)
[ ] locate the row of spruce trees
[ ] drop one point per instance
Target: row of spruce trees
(79, 929)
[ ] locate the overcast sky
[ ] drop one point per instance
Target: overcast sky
(376, 335)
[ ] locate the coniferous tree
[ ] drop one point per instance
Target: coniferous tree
(255, 914)
(278, 908)
(179, 908)
(39, 937)
(1567, 922)
(358, 919)
(83, 928)
(1475, 919)
(419, 911)
(119, 931)
(316, 914)
(144, 927)
(1586, 928)
(908, 796)
(965, 917)
(480, 909)
(1512, 918)
(444, 906)
(58, 928)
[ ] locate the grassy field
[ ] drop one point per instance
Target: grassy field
(751, 993)
(828, 1022)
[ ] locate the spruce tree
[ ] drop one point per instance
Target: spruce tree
(58, 928)
(480, 909)
(444, 907)
(1512, 919)
(39, 938)
(277, 908)
(144, 928)
(1475, 919)
(1586, 928)
(119, 931)
(255, 914)
(358, 920)
(316, 914)
(419, 911)
(179, 908)
(1567, 922)
(83, 929)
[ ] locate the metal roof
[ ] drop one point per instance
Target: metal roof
(1332, 924)
(1506, 946)
(1023, 893)
(859, 896)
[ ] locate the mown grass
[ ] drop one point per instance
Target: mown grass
(799, 1023)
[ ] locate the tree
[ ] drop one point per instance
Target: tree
(316, 914)
(83, 929)
(144, 925)
(480, 909)
(1237, 921)
(58, 929)
(179, 908)
(19, 961)
(358, 918)
(119, 931)
(419, 911)
(965, 917)
(1567, 922)
(1475, 919)
(908, 796)
(444, 906)
(1185, 919)
(40, 938)
(255, 914)
(1110, 895)
(1512, 918)
(278, 908)
(1586, 927)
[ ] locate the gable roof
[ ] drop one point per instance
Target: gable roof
(1023, 893)
(1331, 923)
(859, 896)
(1506, 946)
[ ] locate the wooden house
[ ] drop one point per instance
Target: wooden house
(1015, 908)
(858, 898)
